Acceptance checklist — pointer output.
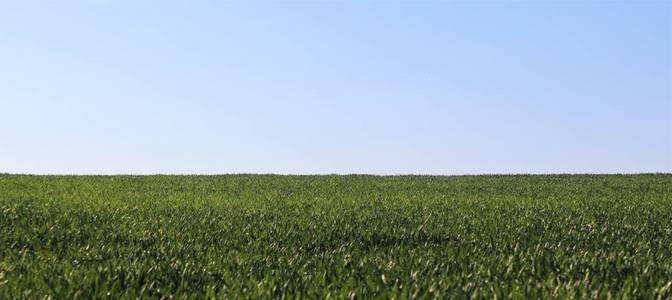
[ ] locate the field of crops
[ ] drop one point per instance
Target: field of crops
(251, 236)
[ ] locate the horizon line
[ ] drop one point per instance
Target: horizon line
(334, 174)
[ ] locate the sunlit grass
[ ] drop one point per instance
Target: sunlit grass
(235, 236)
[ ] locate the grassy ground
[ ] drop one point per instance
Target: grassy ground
(575, 236)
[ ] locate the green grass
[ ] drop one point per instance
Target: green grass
(560, 236)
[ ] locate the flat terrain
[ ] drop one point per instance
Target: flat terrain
(556, 236)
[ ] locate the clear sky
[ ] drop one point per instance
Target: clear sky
(143, 87)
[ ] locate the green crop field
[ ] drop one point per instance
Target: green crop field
(266, 236)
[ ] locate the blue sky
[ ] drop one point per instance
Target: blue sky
(142, 87)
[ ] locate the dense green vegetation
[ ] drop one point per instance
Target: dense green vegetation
(559, 236)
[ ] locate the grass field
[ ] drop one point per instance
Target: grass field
(556, 236)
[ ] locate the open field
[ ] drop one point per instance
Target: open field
(559, 236)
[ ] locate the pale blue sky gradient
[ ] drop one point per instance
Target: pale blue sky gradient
(142, 87)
